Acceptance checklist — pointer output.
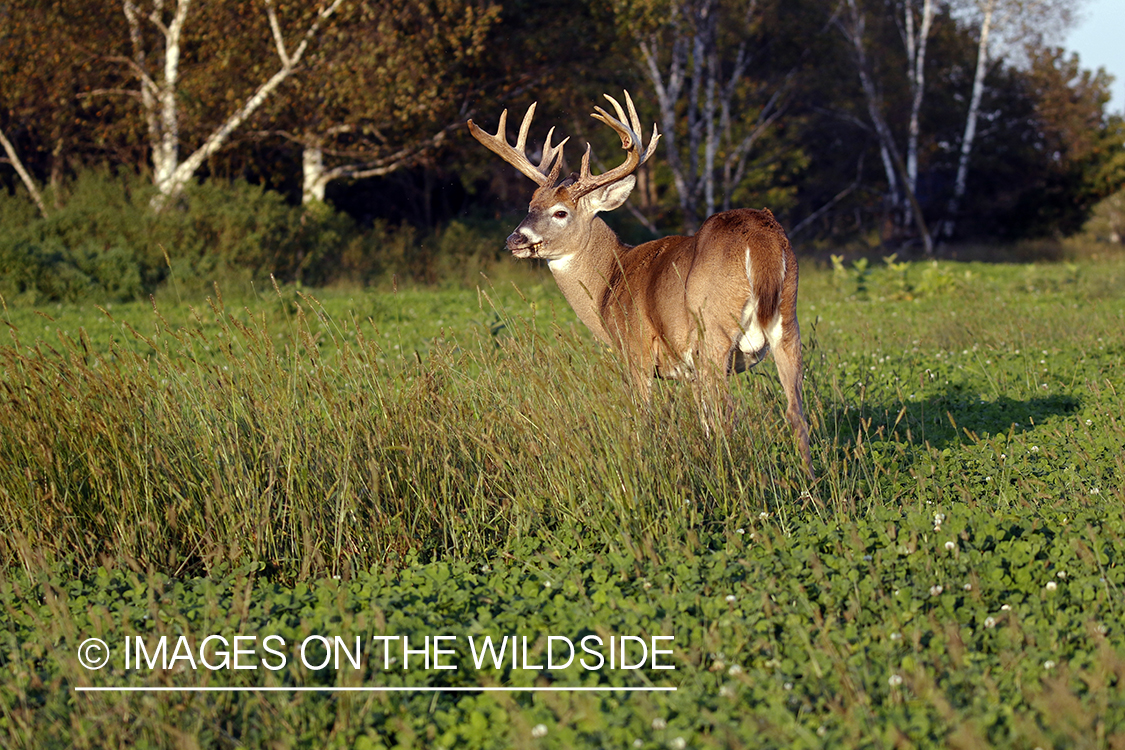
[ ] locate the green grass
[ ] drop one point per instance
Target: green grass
(369, 462)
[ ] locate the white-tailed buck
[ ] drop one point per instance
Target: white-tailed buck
(700, 307)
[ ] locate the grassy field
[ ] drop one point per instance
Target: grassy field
(468, 464)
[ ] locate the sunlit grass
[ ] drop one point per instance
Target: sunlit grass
(968, 436)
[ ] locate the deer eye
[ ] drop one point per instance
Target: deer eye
(560, 214)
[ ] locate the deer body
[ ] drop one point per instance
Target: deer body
(698, 308)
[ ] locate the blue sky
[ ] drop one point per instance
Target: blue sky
(1099, 40)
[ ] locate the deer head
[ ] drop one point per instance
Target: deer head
(561, 213)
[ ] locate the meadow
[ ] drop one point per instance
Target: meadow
(467, 462)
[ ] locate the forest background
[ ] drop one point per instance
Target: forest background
(324, 142)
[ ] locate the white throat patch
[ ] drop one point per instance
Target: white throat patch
(560, 265)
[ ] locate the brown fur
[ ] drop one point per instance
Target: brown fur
(673, 307)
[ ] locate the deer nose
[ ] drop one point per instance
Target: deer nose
(523, 237)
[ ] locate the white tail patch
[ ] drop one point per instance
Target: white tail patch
(754, 341)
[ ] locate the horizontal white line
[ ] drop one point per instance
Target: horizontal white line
(165, 689)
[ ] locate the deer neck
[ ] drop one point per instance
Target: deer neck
(583, 274)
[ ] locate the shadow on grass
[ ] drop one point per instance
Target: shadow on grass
(944, 419)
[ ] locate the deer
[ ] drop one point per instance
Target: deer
(700, 307)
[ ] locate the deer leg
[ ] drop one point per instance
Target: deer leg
(711, 386)
(787, 355)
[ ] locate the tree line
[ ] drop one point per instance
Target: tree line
(905, 123)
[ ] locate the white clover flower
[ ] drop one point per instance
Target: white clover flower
(726, 691)
(740, 531)
(646, 585)
(539, 730)
(734, 670)
(990, 622)
(788, 686)
(936, 589)
(1005, 608)
(638, 742)
(894, 680)
(950, 545)
(1049, 664)
(896, 636)
(1061, 574)
(678, 744)
(763, 515)
(1035, 449)
(1051, 585)
(731, 597)
(658, 723)
(1089, 422)
(968, 587)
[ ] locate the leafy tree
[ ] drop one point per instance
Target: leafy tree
(159, 38)
(387, 88)
(45, 66)
(722, 82)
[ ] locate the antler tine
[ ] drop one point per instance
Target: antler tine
(521, 139)
(549, 154)
(635, 126)
(630, 141)
(516, 155)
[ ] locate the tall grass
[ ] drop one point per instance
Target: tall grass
(289, 435)
(308, 448)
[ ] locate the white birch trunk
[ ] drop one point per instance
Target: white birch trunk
(916, 54)
(315, 178)
(959, 183)
(21, 170)
(892, 159)
(159, 96)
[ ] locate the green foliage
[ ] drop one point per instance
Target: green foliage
(105, 243)
(1107, 221)
(933, 625)
(468, 463)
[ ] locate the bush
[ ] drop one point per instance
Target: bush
(107, 243)
(1107, 221)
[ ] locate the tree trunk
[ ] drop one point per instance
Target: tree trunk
(916, 55)
(970, 122)
(159, 94)
(706, 156)
(21, 170)
(892, 159)
(315, 177)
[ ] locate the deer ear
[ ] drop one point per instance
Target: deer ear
(612, 195)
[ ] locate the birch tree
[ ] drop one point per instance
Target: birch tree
(24, 175)
(157, 35)
(1022, 21)
(852, 22)
(388, 91)
(696, 55)
(916, 43)
(43, 69)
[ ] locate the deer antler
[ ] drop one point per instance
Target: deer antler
(544, 174)
(630, 141)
